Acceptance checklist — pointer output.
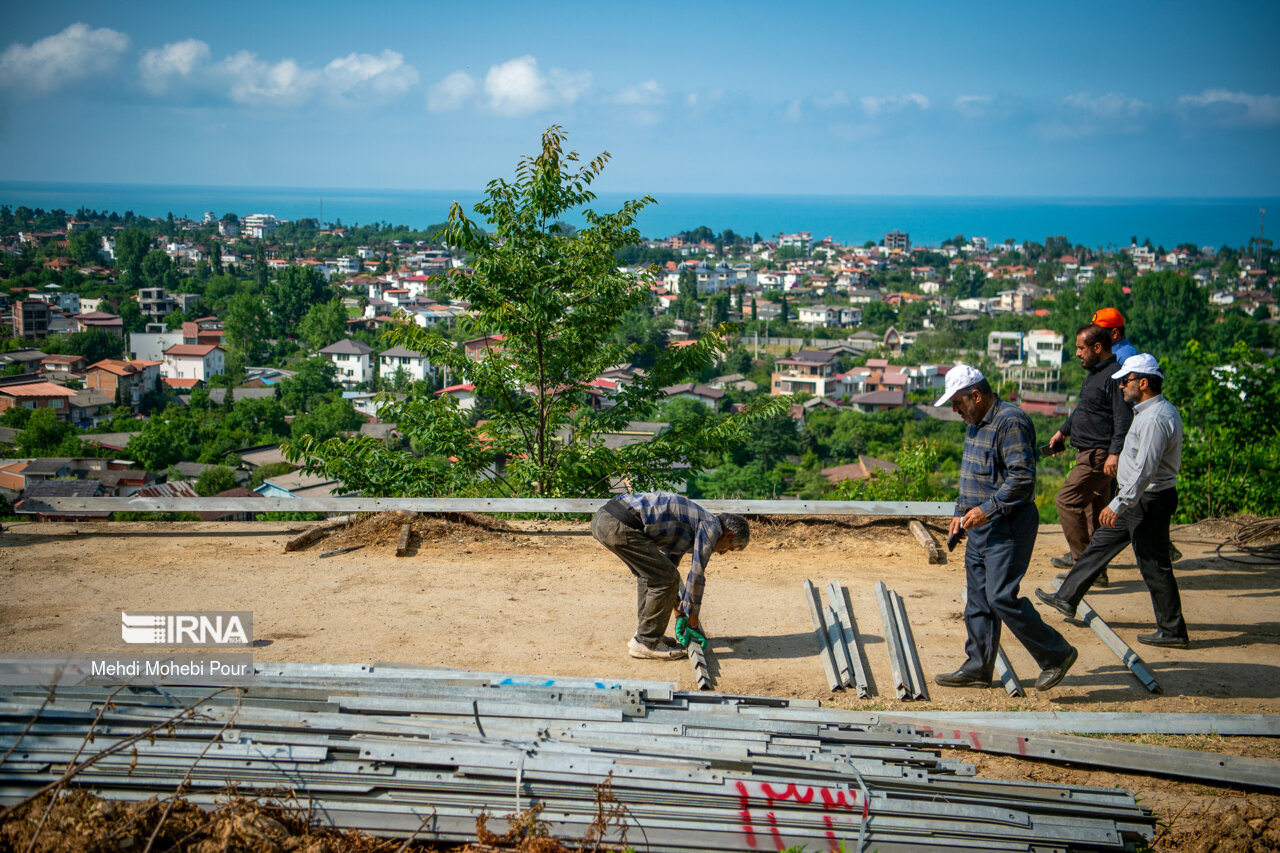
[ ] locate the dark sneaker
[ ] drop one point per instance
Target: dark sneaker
(960, 678)
(1174, 554)
(1050, 677)
(1058, 604)
(1066, 561)
(1160, 638)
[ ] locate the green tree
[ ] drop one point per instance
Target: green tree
(1168, 310)
(243, 325)
(132, 245)
(215, 479)
(323, 324)
(557, 300)
(314, 383)
(296, 290)
(45, 434)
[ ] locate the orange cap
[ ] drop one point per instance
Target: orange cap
(1107, 318)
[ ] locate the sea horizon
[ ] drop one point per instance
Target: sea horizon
(1094, 221)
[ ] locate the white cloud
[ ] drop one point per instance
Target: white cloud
(874, 105)
(257, 83)
(647, 94)
(1112, 105)
(795, 110)
(451, 92)
(1083, 114)
(244, 78)
(836, 99)
(52, 62)
(178, 59)
(518, 87)
(973, 106)
(359, 76)
(710, 98)
(1231, 109)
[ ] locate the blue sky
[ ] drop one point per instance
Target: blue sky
(1064, 99)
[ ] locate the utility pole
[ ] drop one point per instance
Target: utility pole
(1257, 249)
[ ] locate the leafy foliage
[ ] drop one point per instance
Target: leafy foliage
(553, 300)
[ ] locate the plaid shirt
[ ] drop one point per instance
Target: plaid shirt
(677, 526)
(998, 469)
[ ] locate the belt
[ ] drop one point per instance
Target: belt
(620, 510)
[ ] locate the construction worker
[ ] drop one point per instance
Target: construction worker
(1096, 427)
(651, 532)
(997, 510)
(1113, 321)
(1140, 513)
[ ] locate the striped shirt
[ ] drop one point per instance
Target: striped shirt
(998, 468)
(677, 526)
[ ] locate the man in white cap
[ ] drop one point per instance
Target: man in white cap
(1140, 513)
(997, 510)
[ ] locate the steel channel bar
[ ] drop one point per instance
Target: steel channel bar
(1229, 770)
(1111, 639)
(840, 652)
(825, 655)
(909, 653)
(897, 664)
(1104, 722)
(838, 595)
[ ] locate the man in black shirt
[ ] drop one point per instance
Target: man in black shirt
(1097, 427)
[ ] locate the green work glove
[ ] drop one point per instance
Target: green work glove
(686, 633)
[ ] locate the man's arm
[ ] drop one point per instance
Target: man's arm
(1150, 441)
(703, 544)
(1121, 418)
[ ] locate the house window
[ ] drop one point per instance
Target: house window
(55, 404)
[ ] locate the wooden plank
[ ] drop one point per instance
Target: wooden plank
(582, 506)
(937, 556)
(402, 546)
(306, 537)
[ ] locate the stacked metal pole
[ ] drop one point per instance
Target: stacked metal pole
(904, 662)
(398, 751)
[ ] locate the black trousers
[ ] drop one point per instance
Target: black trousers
(995, 561)
(1146, 525)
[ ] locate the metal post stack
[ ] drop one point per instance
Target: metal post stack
(398, 750)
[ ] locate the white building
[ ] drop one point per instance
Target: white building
(259, 225)
(1043, 348)
(354, 360)
(193, 361)
(415, 364)
(150, 346)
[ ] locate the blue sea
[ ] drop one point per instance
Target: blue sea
(1096, 222)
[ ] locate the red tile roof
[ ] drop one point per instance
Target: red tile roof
(190, 350)
(37, 389)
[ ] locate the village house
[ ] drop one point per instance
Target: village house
(37, 395)
(415, 364)
(810, 371)
(126, 381)
(704, 394)
(354, 360)
(193, 361)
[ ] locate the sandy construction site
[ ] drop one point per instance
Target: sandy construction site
(539, 597)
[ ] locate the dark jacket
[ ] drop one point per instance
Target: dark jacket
(1101, 419)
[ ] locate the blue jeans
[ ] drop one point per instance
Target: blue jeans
(995, 561)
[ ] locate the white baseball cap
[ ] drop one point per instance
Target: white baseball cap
(1143, 363)
(959, 378)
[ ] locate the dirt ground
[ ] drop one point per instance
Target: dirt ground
(542, 597)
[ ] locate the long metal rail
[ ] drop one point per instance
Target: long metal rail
(575, 506)
(394, 751)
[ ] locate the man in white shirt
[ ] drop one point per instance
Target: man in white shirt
(1140, 513)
